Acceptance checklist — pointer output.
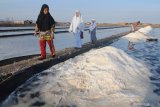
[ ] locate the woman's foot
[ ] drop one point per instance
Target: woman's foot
(53, 56)
(41, 58)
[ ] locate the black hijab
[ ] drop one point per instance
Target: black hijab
(45, 21)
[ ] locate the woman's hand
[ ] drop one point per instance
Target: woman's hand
(36, 30)
(35, 33)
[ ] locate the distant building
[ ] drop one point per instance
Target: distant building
(23, 22)
(18, 22)
(28, 22)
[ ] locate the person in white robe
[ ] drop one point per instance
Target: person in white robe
(77, 27)
(92, 30)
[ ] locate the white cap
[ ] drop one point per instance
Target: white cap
(77, 11)
(93, 19)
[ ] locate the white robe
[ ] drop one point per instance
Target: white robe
(77, 26)
(92, 29)
(92, 26)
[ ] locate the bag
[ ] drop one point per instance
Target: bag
(81, 35)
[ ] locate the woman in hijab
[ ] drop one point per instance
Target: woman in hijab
(45, 26)
(92, 30)
(77, 27)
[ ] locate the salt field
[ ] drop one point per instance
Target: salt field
(112, 76)
(80, 53)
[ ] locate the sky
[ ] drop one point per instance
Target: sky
(104, 11)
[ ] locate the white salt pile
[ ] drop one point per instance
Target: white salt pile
(100, 78)
(146, 29)
(140, 35)
(105, 77)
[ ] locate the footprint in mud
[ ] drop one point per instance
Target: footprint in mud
(34, 95)
(35, 79)
(44, 74)
(22, 95)
(35, 85)
(38, 104)
(154, 78)
(23, 90)
(157, 91)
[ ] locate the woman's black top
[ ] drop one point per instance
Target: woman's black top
(45, 22)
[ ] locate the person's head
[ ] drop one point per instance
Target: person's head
(138, 22)
(93, 20)
(44, 9)
(78, 13)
